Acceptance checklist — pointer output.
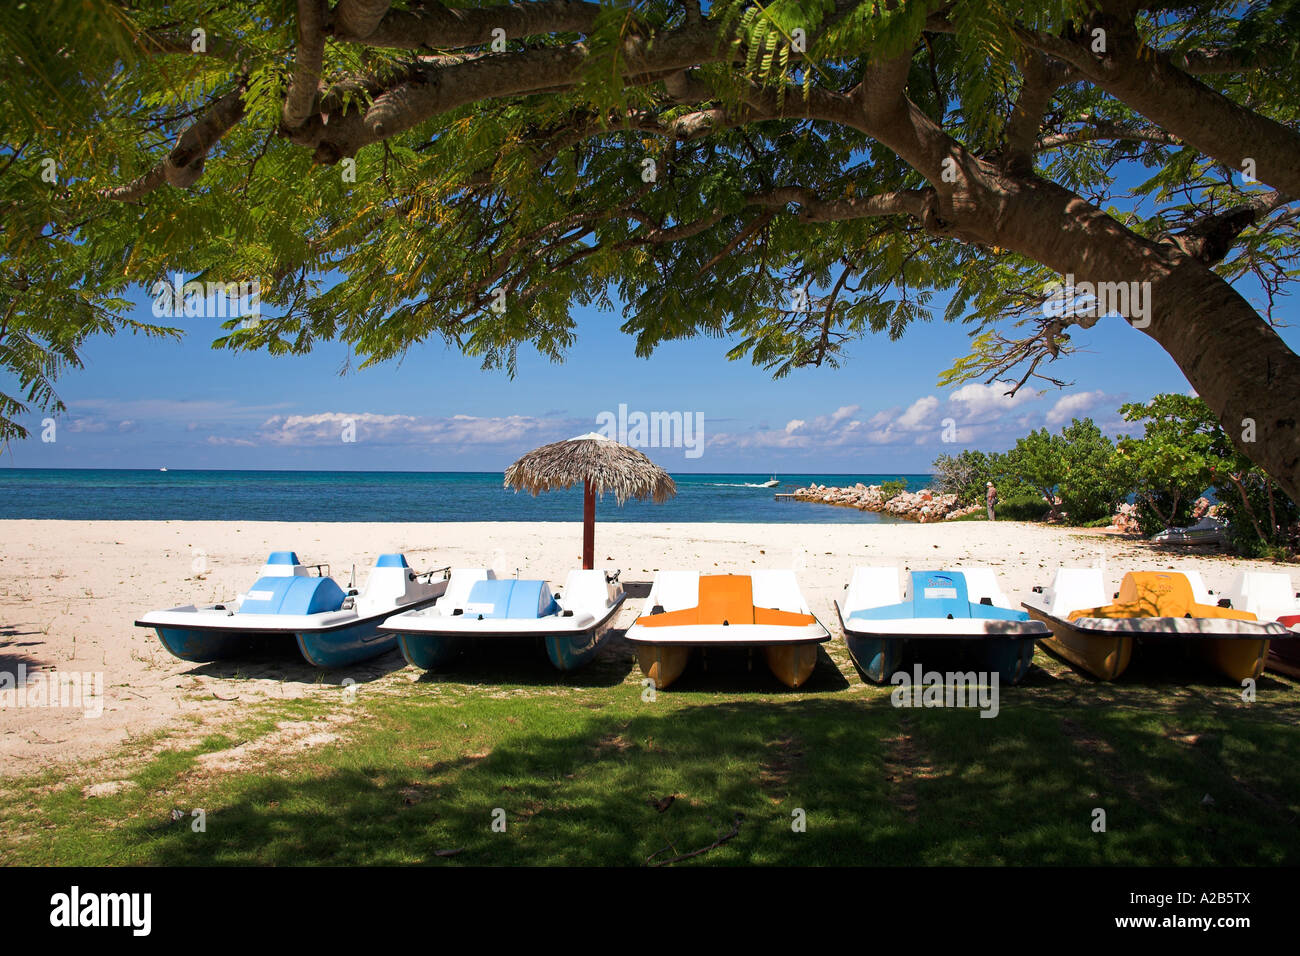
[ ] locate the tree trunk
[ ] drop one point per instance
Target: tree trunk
(1233, 359)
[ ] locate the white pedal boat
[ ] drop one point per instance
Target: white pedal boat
(1270, 596)
(332, 627)
(687, 610)
(478, 605)
(936, 613)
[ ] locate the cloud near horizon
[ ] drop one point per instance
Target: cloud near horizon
(332, 428)
(978, 414)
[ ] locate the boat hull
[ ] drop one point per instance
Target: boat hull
(431, 652)
(1104, 656)
(567, 651)
(1107, 656)
(203, 646)
(343, 646)
(791, 664)
(662, 663)
(1237, 659)
(879, 658)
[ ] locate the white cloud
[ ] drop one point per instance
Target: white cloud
(329, 428)
(981, 412)
(1072, 406)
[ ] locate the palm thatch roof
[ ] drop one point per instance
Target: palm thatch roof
(608, 465)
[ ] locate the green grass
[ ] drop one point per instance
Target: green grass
(575, 764)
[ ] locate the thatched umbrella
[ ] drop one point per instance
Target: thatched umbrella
(602, 465)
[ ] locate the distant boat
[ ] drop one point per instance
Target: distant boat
(770, 483)
(162, 469)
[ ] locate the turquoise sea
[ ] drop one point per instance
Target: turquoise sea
(396, 496)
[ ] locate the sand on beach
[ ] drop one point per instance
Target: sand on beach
(70, 592)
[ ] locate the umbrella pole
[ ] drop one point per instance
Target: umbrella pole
(588, 526)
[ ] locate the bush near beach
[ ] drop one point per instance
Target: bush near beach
(1080, 477)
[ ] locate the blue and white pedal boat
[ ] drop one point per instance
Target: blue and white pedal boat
(958, 612)
(481, 608)
(333, 627)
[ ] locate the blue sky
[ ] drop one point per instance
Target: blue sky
(148, 404)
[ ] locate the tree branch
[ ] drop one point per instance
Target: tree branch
(301, 95)
(184, 164)
(437, 27)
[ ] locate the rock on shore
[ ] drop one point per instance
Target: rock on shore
(923, 505)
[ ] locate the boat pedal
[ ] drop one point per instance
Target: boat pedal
(986, 601)
(1225, 602)
(457, 612)
(726, 623)
(657, 609)
(567, 614)
(950, 617)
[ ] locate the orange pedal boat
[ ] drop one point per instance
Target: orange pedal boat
(686, 610)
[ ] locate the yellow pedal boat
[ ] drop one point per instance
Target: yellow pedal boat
(1149, 606)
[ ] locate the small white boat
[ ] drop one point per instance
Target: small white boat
(943, 613)
(162, 469)
(1206, 531)
(1270, 596)
(770, 483)
(478, 605)
(332, 627)
(687, 610)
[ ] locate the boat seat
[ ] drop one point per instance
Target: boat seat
(292, 595)
(510, 598)
(726, 599)
(938, 594)
(1158, 594)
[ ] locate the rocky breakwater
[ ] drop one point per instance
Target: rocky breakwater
(923, 505)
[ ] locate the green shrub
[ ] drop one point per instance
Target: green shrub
(1029, 507)
(892, 489)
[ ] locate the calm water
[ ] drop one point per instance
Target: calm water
(394, 496)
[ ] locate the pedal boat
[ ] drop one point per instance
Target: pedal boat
(480, 606)
(1149, 606)
(332, 627)
(942, 614)
(686, 610)
(1270, 596)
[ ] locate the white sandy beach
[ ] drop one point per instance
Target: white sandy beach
(72, 590)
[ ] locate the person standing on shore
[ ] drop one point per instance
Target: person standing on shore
(991, 496)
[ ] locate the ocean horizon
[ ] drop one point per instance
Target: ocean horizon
(127, 494)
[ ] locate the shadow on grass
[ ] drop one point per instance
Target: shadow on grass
(523, 662)
(278, 658)
(876, 785)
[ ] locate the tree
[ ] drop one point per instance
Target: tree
(790, 175)
(1175, 460)
(1091, 485)
(1038, 460)
(963, 475)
